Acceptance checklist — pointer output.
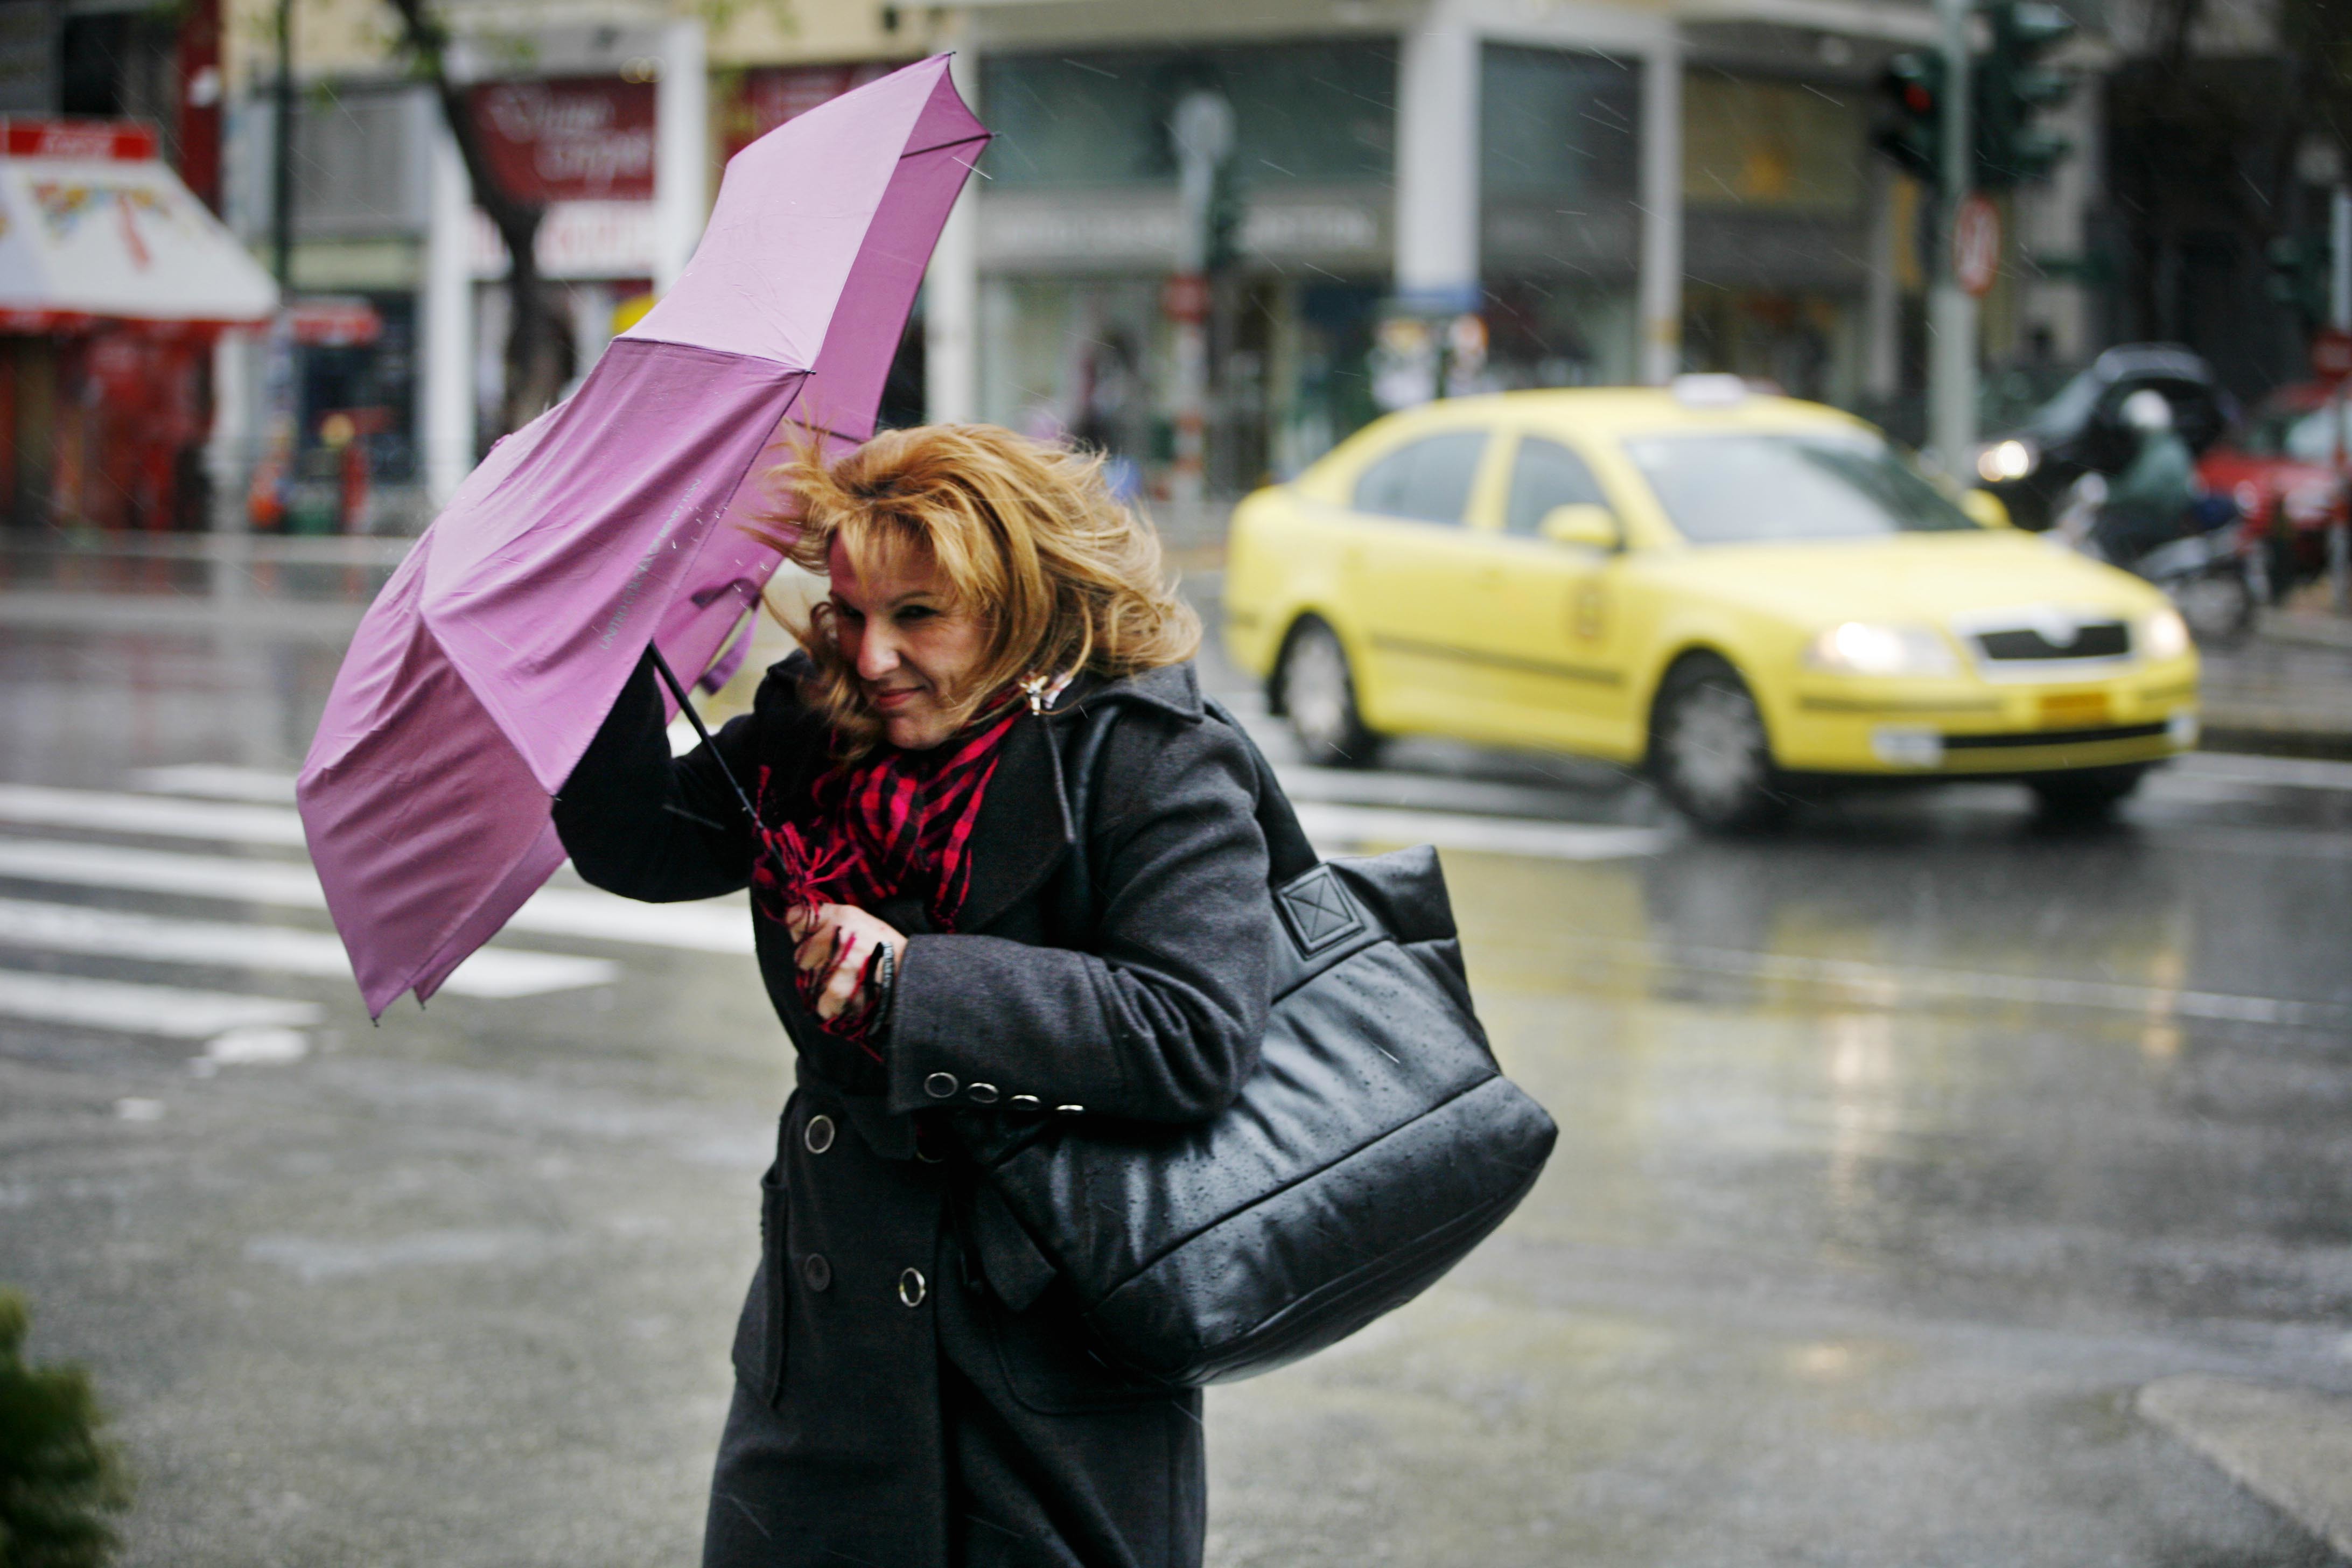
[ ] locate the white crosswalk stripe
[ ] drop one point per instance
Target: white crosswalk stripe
(77, 928)
(222, 807)
(712, 926)
(36, 806)
(142, 1009)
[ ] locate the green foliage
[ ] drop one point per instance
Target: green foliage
(58, 1480)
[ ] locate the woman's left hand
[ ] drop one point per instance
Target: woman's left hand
(841, 939)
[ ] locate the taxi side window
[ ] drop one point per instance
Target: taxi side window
(1427, 480)
(1544, 474)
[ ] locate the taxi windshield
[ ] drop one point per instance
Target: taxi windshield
(1772, 486)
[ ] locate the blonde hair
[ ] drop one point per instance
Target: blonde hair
(1065, 577)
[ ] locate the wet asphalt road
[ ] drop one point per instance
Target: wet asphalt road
(1897, 1151)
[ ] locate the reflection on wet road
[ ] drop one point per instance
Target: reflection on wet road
(1898, 1149)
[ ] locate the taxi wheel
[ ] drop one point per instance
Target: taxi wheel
(1318, 693)
(1708, 751)
(2087, 796)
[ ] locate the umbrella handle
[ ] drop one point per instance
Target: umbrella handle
(669, 678)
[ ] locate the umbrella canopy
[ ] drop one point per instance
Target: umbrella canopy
(486, 666)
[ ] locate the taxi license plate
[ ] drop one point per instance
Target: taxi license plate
(2069, 710)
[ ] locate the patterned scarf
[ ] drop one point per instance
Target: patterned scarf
(893, 824)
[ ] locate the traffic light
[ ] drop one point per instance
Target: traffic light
(2299, 274)
(2010, 88)
(1910, 127)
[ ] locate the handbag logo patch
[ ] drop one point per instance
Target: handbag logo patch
(1318, 910)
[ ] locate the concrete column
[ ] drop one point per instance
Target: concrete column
(230, 449)
(1660, 291)
(681, 149)
(951, 291)
(444, 416)
(1437, 164)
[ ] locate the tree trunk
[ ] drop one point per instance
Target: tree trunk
(535, 368)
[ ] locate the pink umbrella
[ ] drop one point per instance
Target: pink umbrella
(483, 670)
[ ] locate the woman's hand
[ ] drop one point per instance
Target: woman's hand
(839, 939)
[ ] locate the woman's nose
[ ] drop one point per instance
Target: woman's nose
(876, 656)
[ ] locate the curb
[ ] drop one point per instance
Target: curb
(2305, 629)
(2289, 1446)
(2272, 741)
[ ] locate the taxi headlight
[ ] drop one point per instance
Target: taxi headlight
(2164, 635)
(1858, 647)
(2010, 460)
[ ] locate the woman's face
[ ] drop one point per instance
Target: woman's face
(910, 641)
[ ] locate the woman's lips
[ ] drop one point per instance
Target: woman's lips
(889, 697)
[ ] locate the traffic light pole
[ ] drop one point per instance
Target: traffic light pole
(1952, 314)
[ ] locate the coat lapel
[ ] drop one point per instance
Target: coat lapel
(1023, 829)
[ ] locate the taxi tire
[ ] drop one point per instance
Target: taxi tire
(2090, 795)
(1709, 753)
(1315, 677)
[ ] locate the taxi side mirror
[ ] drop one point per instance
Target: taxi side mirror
(1584, 523)
(1986, 508)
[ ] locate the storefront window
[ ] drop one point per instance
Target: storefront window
(1559, 167)
(1309, 113)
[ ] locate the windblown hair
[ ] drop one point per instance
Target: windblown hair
(1063, 576)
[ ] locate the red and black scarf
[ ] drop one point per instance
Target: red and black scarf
(891, 825)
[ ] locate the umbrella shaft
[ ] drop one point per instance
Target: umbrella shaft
(669, 678)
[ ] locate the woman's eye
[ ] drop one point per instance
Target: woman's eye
(917, 613)
(845, 613)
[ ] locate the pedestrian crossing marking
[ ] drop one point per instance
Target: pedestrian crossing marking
(218, 782)
(169, 1010)
(493, 972)
(38, 806)
(707, 926)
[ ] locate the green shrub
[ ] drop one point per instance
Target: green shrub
(58, 1480)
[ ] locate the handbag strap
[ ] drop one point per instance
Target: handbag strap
(1289, 854)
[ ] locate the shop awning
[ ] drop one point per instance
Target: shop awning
(94, 226)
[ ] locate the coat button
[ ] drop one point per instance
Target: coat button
(1024, 1102)
(818, 1134)
(982, 1093)
(817, 1272)
(1071, 1109)
(940, 1085)
(911, 1288)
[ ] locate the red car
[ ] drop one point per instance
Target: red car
(2285, 467)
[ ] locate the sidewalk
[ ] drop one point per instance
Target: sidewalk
(2288, 691)
(2289, 1447)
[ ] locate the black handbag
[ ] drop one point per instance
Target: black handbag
(1376, 1143)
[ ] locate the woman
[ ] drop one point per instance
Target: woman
(913, 1386)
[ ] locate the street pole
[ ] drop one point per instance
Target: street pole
(1205, 138)
(1952, 373)
(2340, 317)
(281, 131)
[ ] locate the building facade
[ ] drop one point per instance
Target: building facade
(1416, 197)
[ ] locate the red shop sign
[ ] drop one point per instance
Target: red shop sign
(126, 140)
(569, 139)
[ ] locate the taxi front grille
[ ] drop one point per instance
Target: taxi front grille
(2093, 639)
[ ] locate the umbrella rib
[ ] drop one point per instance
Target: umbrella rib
(941, 146)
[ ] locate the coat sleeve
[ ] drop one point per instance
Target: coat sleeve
(1163, 1023)
(642, 825)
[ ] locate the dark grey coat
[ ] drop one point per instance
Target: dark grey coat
(913, 1388)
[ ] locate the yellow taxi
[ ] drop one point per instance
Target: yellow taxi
(1742, 594)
